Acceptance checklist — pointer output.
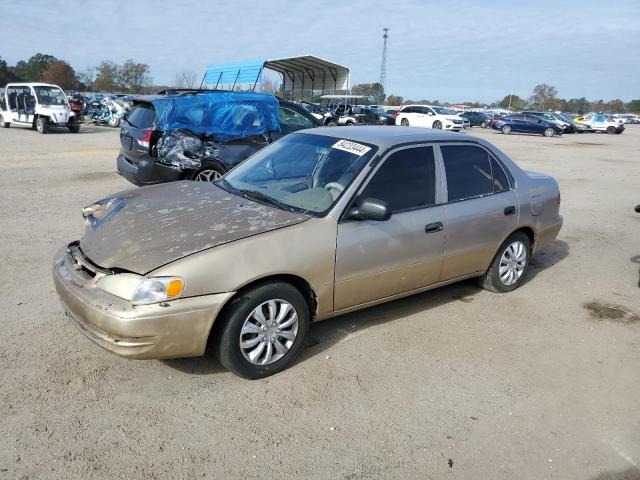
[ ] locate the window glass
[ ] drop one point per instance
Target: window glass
(290, 120)
(141, 116)
(515, 117)
(406, 180)
(468, 171)
(500, 180)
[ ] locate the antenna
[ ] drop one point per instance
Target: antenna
(383, 65)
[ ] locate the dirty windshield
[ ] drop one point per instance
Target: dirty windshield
(301, 172)
(50, 96)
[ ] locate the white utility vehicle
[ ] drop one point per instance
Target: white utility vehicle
(37, 105)
(429, 116)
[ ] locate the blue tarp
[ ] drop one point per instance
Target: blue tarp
(220, 116)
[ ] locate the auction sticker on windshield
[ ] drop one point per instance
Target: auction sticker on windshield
(351, 147)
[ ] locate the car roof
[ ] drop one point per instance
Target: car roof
(31, 84)
(385, 136)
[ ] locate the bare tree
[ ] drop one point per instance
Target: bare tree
(269, 85)
(185, 79)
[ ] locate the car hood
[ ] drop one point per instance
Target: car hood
(140, 230)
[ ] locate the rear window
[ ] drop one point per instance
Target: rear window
(141, 116)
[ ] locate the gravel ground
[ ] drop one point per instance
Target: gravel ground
(454, 383)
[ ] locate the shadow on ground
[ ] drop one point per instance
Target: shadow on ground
(323, 335)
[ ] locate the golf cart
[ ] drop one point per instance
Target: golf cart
(348, 110)
(37, 105)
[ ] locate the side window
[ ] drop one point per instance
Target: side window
(406, 180)
(141, 116)
(290, 120)
(500, 179)
(468, 171)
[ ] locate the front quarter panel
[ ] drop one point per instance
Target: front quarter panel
(306, 250)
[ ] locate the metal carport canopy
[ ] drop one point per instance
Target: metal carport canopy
(309, 73)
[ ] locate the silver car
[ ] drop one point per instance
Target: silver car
(320, 223)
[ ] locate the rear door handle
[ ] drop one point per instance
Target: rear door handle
(433, 227)
(510, 210)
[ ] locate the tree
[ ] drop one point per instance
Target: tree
(633, 106)
(512, 102)
(6, 73)
(615, 106)
(544, 97)
(185, 79)
(134, 76)
(373, 90)
(60, 73)
(107, 77)
(394, 100)
(269, 85)
(578, 105)
(32, 69)
(87, 77)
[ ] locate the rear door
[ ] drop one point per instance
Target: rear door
(481, 209)
(375, 260)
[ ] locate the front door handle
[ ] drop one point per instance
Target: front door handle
(510, 210)
(433, 227)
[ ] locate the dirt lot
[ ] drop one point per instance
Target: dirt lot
(540, 383)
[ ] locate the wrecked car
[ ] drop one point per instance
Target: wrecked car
(200, 135)
(320, 223)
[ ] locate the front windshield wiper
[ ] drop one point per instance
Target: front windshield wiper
(262, 197)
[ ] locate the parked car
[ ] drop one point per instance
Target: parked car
(577, 127)
(600, 122)
(393, 112)
(40, 106)
(320, 223)
(520, 123)
(429, 116)
(553, 118)
(201, 135)
(477, 119)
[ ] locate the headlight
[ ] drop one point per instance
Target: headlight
(141, 290)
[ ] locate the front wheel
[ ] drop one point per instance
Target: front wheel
(74, 128)
(437, 125)
(506, 129)
(262, 330)
(114, 122)
(484, 124)
(404, 122)
(41, 125)
(332, 123)
(611, 130)
(208, 174)
(549, 132)
(509, 267)
(3, 123)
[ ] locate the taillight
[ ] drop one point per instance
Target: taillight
(144, 140)
(558, 198)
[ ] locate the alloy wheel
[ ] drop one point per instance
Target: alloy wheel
(209, 175)
(549, 132)
(512, 263)
(437, 125)
(268, 333)
(404, 122)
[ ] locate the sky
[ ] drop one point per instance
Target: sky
(448, 51)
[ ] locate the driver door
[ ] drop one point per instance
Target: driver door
(375, 260)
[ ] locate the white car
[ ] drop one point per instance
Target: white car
(37, 105)
(429, 116)
(600, 122)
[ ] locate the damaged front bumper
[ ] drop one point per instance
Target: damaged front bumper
(179, 328)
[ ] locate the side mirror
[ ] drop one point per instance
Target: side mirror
(430, 114)
(369, 209)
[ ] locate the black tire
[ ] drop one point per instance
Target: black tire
(506, 129)
(3, 123)
(437, 125)
(618, 132)
(332, 123)
(404, 122)
(233, 317)
(611, 130)
(491, 279)
(484, 124)
(210, 173)
(549, 132)
(41, 125)
(74, 128)
(349, 124)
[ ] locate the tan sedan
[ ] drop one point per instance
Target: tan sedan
(322, 222)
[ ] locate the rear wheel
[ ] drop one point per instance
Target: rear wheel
(611, 130)
(506, 129)
(484, 124)
(3, 123)
(41, 125)
(331, 123)
(262, 330)
(404, 122)
(510, 265)
(437, 125)
(349, 124)
(549, 132)
(74, 128)
(208, 174)
(114, 122)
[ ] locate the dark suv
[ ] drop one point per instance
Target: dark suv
(477, 119)
(200, 135)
